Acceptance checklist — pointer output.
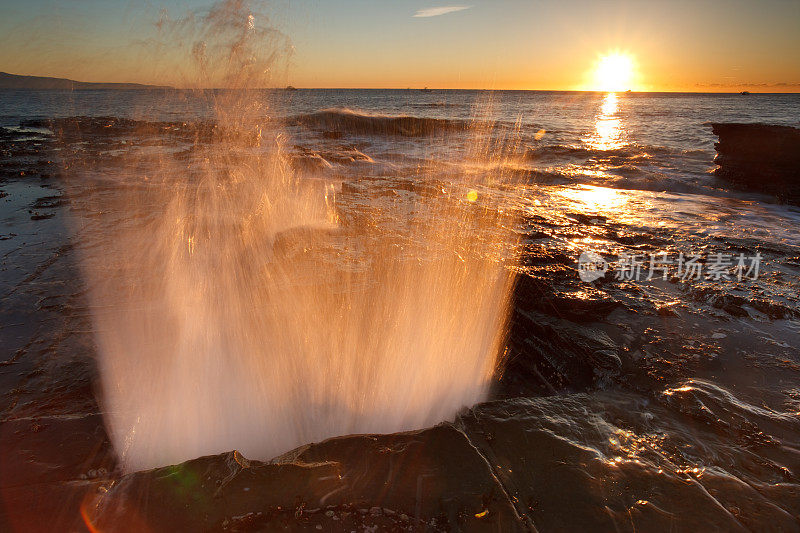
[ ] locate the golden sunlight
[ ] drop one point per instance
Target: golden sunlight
(614, 72)
(593, 198)
(609, 132)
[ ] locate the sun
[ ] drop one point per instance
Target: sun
(614, 72)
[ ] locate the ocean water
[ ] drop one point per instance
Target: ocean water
(637, 141)
(658, 147)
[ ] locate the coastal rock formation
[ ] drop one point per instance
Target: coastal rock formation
(594, 461)
(432, 479)
(558, 353)
(761, 158)
(674, 438)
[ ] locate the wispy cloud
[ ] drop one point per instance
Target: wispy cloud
(436, 11)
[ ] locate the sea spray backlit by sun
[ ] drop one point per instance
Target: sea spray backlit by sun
(243, 305)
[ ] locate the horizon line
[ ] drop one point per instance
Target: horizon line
(128, 86)
(149, 87)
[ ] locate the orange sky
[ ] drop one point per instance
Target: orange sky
(501, 44)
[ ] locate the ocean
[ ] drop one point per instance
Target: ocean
(656, 142)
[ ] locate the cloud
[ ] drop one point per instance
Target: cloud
(436, 11)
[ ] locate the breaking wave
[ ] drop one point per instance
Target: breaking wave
(345, 120)
(556, 151)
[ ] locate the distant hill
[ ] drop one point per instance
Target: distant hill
(12, 81)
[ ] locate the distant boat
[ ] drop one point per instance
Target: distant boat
(745, 93)
(291, 88)
(426, 90)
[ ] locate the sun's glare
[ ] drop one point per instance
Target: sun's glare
(614, 72)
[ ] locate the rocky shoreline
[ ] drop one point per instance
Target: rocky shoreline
(620, 406)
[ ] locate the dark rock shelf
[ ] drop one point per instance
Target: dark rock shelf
(761, 158)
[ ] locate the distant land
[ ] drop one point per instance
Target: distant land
(13, 81)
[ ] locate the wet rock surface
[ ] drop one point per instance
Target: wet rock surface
(520, 464)
(429, 479)
(760, 157)
(621, 405)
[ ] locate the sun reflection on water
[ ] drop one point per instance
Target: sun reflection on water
(610, 105)
(595, 199)
(609, 132)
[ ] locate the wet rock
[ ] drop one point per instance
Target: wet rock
(433, 479)
(731, 304)
(586, 219)
(668, 310)
(540, 255)
(593, 462)
(557, 354)
(744, 300)
(310, 163)
(760, 157)
(634, 239)
(54, 449)
(583, 306)
(48, 202)
(581, 462)
(774, 310)
(48, 467)
(101, 130)
(729, 416)
(347, 155)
